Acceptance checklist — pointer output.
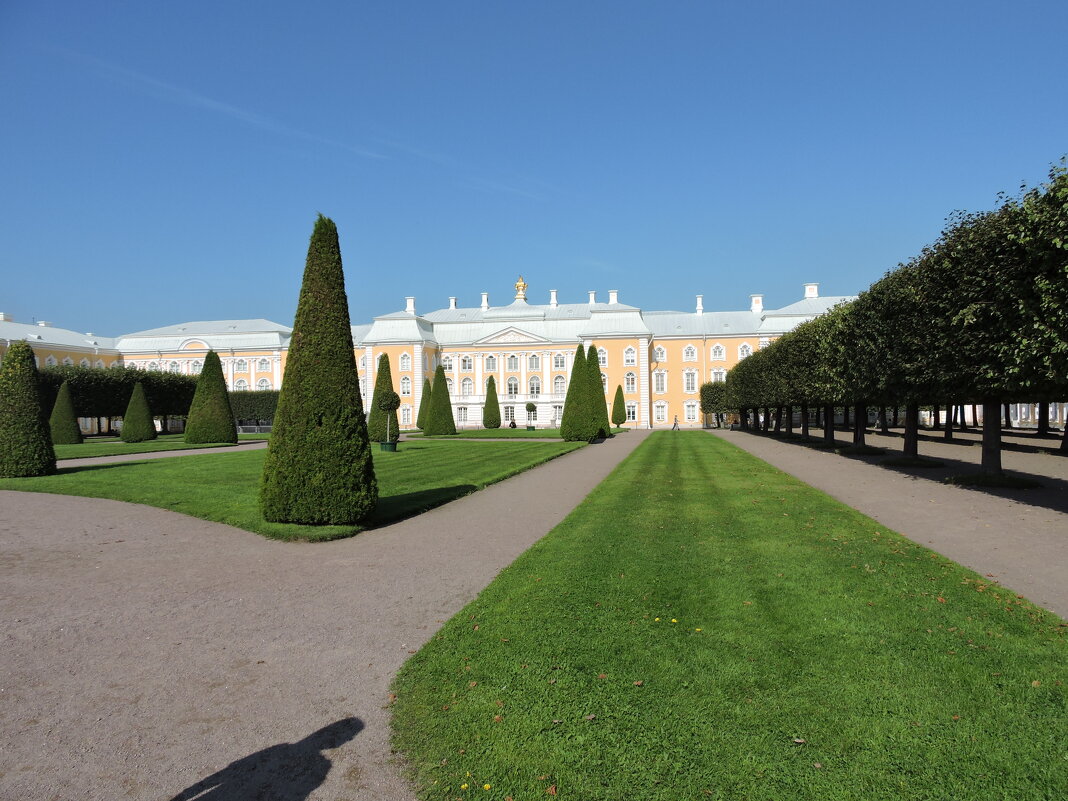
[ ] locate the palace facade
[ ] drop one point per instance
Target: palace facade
(659, 358)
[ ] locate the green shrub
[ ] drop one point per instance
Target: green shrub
(574, 424)
(389, 401)
(259, 405)
(424, 405)
(382, 426)
(137, 422)
(599, 424)
(64, 422)
(491, 413)
(105, 391)
(211, 418)
(318, 468)
(25, 443)
(619, 408)
(439, 417)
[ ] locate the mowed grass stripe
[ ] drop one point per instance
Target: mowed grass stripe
(905, 675)
(224, 487)
(116, 447)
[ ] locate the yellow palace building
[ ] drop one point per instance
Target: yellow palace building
(659, 358)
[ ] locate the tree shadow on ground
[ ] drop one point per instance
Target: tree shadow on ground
(393, 508)
(283, 772)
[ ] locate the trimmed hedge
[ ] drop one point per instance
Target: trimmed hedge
(105, 391)
(439, 417)
(574, 424)
(596, 399)
(318, 468)
(137, 423)
(424, 405)
(64, 422)
(491, 413)
(210, 417)
(382, 426)
(25, 443)
(259, 405)
(619, 407)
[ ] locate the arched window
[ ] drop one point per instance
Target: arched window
(745, 350)
(405, 385)
(602, 357)
(660, 381)
(513, 363)
(446, 363)
(689, 381)
(67, 360)
(241, 366)
(467, 364)
(719, 353)
(630, 383)
(630, 357)
(604, 383)
(660, 412)
(659, 354)
(241, 385)
(467, 387)
(263, 384)
(197, 366)
(50, 361)
(765, 341)
(83, 363)
(513, 386)
(533, 362)
(535, 386)
(559, 362)
(689, 354)
(99, 363)
(719, 376)
(174, 367)
(559, 385)
(406, 415)
(153, 366)
(405, 362)
(448, 383)
(491, 364)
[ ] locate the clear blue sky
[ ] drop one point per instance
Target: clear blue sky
(165, 162)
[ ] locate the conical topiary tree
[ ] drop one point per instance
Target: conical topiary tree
(319, 467)
(491, 412)
(598, 405)
(63, 423)
(574, 423)
(424, 405)
(25, 444)
(137, 423)
(210, 417)
(619, 408)
(382, 426)
(439, 416)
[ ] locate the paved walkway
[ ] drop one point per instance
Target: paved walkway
(1018, 537)
(144, 651)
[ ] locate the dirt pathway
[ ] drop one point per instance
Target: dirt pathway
(144, 652)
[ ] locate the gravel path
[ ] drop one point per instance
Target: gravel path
(1019, 537)
(145, 652)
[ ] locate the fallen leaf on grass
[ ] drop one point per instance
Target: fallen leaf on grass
(798, 741)
(817, 765)
(591, 717)
(639, 683)
(551, 790)
(497, 718)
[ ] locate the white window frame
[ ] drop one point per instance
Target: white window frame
(196, 367)
(83, 363)
(240, 366)
(406, 415)
(512, 387)
(660, 412)
(745, 350)
(690, 411)
(630, 383)
(604, 383)
(602, 357)
(405, 385)
(446, 363)
(719, 353)
(467, 388)
(405, 362)
(559, 361)
(263, 365)
(559, 385)
(241, 385)
(513, 363)
(461, 414)
(689, 354)
(68, 361)
(632, 412)
(535, 386)
(630, 357)
(660, 381)
(50, 361)
(467, 364)
(491, 364)
(263, 384)
(719, 376)
(533, 362)
(509, 414)
(689, 382)
(659, 354)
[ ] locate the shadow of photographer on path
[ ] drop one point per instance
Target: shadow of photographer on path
(283, 772)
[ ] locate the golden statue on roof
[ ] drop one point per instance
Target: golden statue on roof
(520, 289)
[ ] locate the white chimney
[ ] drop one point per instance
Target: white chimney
(452, 303)
(756, 304)
(485, 301)
(700, 304)
(812, 290)
(43, 323)
(409, 305)
(613, 296)
(6, 318)
(593, 296)
(552, 299)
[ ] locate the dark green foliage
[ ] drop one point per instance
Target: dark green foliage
(64, 422)
(714, 399)
(619, 408)
(388, 402)
(105, 392)
(574, 425)
(424, 405)
(259, 405)
(596, 398)
(137, 423)
(25, 443)
(318, 469)
(439, 416)
(211, 418)
(382, 426)
(491, 413)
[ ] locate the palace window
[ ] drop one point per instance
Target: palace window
(406, 385)
(689, 381)
(263, 366)
(363, 362)
(153, 366)
(174, 367)
(719, 353)
(83, 363)
(68, 361)
(406, 415)
(691, 412)
(513, 363)
(491, 364)
(405, 362)
(513, 386)
(241, 385)
(533, 362)
(659, 354)
(448, 383)
(659, 412)
(99, 363)
(461, 414)
(632, 412)
(558, 412)
(196, 367)
(559, 362)
(660, 381)
(467, 387)
(765, 341)
(241, 366)
(689, 354)
(745, 350)
(630, 357)
(50, 361)
(535, 386)
(604, 383)
(630, 383)
(602, 357)
(559, 385)
(263, 384)
(719, 376)
(509, 414)
(467, 364)
(446, 363)
(532, 417)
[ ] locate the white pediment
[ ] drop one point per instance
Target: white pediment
(512, 336)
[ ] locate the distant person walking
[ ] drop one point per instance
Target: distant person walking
(675, 427)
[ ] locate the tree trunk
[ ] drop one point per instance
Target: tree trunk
(789, 414)
(860, 414)
(975, 416)
(883, 427)
(1008, 416)
(912, 431)
(961, 419)
(804, 420)
(1043, 419)
(845, 417)
(1064, 441)
(991, 438)
(819, 416)
(897, 416)
(767, 419)
(950, 410)
(778, 419)
(937, 417)
(828, 424)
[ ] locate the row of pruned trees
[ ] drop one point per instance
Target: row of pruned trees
(980, 317)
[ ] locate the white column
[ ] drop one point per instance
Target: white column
(523, 388)
(643, 382)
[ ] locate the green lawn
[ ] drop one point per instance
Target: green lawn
(503, 433)
(224, 487)
(705, 626)
(114, 446)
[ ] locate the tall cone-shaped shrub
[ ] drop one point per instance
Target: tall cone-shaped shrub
(598, 402)
(439, 416)
(382, 426)
(424, 406)
(25, 444)
(210, 417)
(64, 422)
(574, 425)
(137, 423)
(619, 408)
(491, 413)
(318, 468)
